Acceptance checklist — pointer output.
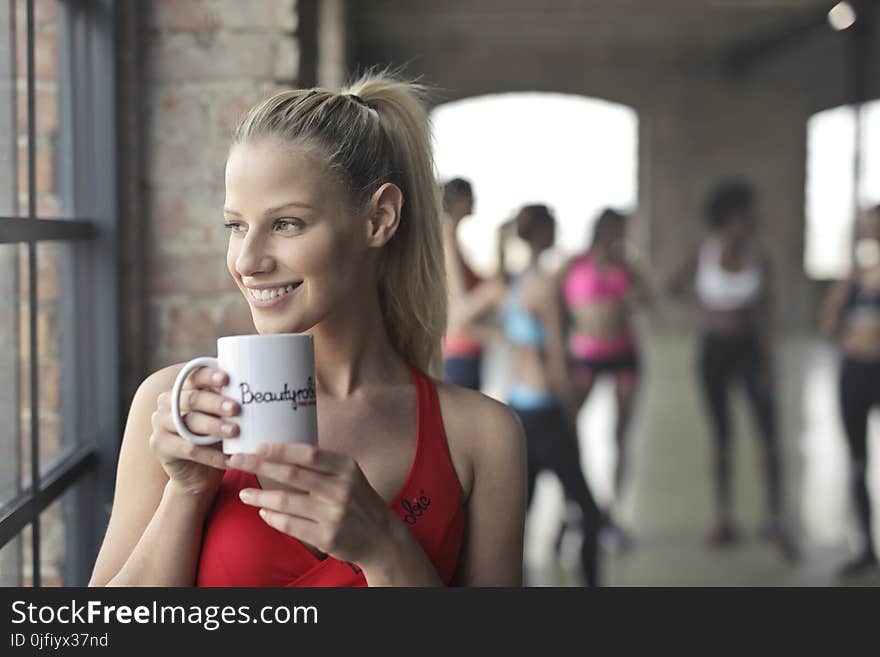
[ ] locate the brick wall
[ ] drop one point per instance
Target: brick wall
(206, 62)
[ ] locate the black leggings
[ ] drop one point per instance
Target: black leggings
(725, 360)
(551, 445)
(859, 393)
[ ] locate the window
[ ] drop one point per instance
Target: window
(59, 335)
(833, 193)
(581, 156)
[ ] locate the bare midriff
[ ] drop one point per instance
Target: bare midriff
(528, 367)
(601, 319)
(731, 322)
(861, 339)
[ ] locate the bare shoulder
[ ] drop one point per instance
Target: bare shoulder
(158, 382)
(480, 430)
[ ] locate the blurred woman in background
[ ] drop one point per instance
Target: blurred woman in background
(540, 390)
(851, 313)
(602, 292)
(463, 342)
(730, 274)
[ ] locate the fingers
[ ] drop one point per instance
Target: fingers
(308, 456)
(173, 446)
(199, 423)
(204, 400)
(204, 412)
(208, 377)
(307, 531)
(301, 505)
(316, 483)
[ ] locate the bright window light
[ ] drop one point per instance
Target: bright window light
(830, 210)
(841, 16)
(576, 154)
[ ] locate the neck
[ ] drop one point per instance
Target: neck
(353, 350)
(535, 255)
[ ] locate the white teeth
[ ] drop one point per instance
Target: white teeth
(266, 295)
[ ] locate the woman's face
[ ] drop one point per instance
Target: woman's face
(615, 241)
(739, 228)
(296, 250)
(545, 236)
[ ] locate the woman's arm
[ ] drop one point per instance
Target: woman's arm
(154, 532)
(766, 310)
(452, 259)
(643, 293)
(469, 307)
(543, 299)
(492, 552)
(682, 278)
(833, 305)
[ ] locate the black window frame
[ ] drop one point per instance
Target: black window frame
(89, 273)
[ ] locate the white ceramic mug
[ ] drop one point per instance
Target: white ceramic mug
(272, 377)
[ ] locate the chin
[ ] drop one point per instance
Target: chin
(266, 326)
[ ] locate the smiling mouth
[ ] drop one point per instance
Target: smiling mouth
(268, 294)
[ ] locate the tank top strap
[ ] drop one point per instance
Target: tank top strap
(433, 448)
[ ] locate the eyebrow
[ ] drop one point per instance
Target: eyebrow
(292, 204)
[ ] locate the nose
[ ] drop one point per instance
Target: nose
(253, 258)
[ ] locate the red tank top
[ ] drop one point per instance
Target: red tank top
(239, 549)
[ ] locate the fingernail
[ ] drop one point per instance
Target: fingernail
(245, 495)
(235, 460)
(227, 406)
(218, 377)
(227, 428)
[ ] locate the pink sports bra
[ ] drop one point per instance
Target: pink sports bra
(587, 283)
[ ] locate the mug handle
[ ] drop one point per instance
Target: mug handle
(195, 363)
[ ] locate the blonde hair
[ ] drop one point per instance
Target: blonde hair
(375, 131)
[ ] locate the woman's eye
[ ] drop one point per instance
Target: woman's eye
(289, 225)
(234, 226)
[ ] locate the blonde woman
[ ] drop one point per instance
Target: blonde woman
(330, 196)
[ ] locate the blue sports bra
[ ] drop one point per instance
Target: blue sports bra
(520, 327)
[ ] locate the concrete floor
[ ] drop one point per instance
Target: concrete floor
(668, 504)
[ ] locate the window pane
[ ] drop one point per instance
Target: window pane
(58, 539)
(46, 107)
(8, 114)
(829, 207)
(56, 329)
(58, 546)
(869, 190)
(14, 112)
(13, 297)
(11, 562)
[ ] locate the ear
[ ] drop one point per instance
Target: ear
(384, 215)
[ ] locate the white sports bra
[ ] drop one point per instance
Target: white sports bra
(721, 289)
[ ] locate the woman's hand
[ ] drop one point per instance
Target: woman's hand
(328, 502)
(193, 468)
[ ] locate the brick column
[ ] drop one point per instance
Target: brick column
(206, 61)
